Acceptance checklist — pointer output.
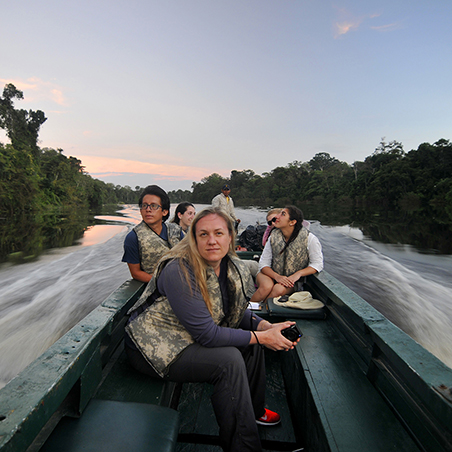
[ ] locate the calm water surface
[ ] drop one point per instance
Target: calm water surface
(43, 299)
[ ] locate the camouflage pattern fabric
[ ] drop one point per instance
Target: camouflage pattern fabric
(158, 333)
(152, 247)
(294, 258)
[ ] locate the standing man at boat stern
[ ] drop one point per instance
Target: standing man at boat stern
(225, 202)
(147, 242)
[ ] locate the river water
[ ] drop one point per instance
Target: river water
(42, 300)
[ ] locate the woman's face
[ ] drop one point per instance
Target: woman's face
(213, 239)
(271, 218)
(186, 218)
(283, 220)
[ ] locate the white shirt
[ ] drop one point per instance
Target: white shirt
(314, 252)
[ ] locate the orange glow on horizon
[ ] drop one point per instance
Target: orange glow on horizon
(103, 166)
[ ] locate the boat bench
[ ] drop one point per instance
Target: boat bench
(335, 406)
(129, 411)
(112, 426)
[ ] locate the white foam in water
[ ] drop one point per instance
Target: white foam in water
(403, 292)
(43, 300)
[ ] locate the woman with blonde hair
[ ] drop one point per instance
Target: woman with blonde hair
(271, 218)
(192, 325)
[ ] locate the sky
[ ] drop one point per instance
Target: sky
(168, 92)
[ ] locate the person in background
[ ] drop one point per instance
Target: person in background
(185, 212)
(225, 202)
(271, 218)
(291, 253)
(146, 243)
(192, 325)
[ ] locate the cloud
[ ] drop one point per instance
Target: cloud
(348, 22)
(36, 89)
(106, 166)
(343, 28)
(388, 27)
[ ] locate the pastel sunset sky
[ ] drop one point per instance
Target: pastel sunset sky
(170, 91)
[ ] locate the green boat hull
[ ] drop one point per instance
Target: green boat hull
(355, 382)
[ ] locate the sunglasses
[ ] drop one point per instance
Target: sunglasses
(270, 222)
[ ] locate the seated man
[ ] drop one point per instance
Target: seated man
(147, 242)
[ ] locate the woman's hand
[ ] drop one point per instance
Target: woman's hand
(284, 281)
(273, 339)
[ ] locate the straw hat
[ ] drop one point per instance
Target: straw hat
(299, 300)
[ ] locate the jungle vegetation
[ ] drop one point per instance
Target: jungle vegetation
(390, 177)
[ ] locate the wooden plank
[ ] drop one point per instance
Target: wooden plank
(416, 384)
(125, 384)
(275, 400)
(414, 395)
(353, 414)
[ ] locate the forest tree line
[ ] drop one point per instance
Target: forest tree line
(389, 178)
(34, 178)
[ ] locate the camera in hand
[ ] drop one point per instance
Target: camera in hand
(292, 333)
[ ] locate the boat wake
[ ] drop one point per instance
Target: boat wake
(416, 301)
(41, 301)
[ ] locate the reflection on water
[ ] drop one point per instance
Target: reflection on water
(428, 230)
(44, 297)
(25, 237)
(99, 234)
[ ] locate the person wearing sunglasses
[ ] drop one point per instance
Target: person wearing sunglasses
(147, 242)
(290, 254)
(271, 218)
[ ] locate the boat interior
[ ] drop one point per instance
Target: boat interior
(355, 382)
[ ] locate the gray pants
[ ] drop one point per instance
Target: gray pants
(239, 387)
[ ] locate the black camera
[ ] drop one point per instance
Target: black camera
(292, 333)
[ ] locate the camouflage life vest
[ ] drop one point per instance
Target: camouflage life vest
(152, 247)
(294, 258)
(158, 333)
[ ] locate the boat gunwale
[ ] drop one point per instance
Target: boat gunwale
(30, 400)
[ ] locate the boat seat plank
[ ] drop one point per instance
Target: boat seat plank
(112, 426)
(280, 312)
(353, 415)
(125, 384)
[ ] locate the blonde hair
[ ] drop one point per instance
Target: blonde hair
(188, 254)
(272, 211)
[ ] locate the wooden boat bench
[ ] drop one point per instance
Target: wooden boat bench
(112, 426)
(129, 411)
(336, 407)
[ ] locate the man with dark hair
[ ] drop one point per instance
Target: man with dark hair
(146, 243)
(224, 202)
